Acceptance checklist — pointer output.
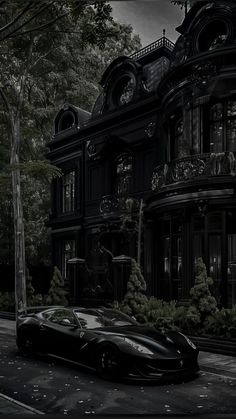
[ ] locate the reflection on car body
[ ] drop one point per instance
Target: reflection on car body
(112, 343)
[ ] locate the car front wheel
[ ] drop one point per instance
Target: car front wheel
(109, 362)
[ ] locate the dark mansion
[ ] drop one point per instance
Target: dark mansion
(150, 173)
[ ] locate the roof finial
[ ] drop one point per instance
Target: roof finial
(164, 32)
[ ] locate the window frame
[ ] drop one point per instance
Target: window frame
(225, 121)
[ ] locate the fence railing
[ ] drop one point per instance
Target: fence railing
(192, 167)
(162, 42)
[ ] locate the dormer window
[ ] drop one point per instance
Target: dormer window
(67, 121)
(213, 36)
(124, 90)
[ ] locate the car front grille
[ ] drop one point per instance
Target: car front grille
(159, 368)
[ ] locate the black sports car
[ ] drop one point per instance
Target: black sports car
(112, 343)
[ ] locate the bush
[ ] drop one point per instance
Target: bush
(7, 301)
(222, 323)
(56, 294)
(135, 297)
(202, 303)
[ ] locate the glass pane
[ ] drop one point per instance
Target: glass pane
(215, 221)
(231, 134)
(166, 257)
(198, 247)
(198, 222)
(231, 270)
(231, 109)
(68, 192)
(216, 137)
(216, 112)
(215, 264)
(177, 258)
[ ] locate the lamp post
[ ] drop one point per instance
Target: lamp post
(74, 266)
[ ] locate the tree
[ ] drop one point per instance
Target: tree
(56, 294)
(184, 4)
(22, 49)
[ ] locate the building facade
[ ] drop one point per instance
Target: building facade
(151, 172)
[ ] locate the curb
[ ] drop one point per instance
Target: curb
(218, 371)
(21, 405)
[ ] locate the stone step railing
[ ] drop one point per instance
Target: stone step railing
(190, 168)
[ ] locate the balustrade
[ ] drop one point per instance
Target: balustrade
(192, 167)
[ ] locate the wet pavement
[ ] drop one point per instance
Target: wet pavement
(42, 386)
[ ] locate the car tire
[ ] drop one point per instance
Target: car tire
(108, 362)
(26, 346)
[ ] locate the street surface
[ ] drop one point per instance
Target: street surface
(57, 387)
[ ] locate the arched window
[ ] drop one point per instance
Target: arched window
(123, 167)
(223, 127)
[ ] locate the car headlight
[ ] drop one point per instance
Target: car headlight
(138, 347)
(189, 341)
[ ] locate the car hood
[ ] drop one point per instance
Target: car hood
(169, 346)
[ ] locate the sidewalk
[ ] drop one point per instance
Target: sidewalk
(9, 406)
(218, 364)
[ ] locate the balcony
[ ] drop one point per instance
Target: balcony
(196, 167)
(111, 204)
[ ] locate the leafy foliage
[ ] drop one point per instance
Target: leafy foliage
(32, 298)
(7, 301)
(222, 323)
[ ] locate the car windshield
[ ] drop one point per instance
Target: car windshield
(93, 319)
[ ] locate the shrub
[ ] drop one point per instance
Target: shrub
(7, 301)
(56, 294)
(135, 297)
(202, 303)
(222, 323)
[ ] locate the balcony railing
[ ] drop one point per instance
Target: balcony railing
(160, 43)
(118, 204)
(193, 167)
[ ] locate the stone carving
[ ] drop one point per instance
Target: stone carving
(150, 130)
(91, 149)
(187, 169)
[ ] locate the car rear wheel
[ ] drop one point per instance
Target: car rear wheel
(26, 345)
(109, 362)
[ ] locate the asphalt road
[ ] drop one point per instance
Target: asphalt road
(56, 387)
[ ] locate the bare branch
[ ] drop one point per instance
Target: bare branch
(9, 35)
(50, 22)
(16, 18)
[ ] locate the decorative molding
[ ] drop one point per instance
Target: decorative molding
(150, 129)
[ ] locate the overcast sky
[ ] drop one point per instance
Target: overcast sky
(149, 17)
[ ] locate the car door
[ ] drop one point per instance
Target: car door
(60, 330)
